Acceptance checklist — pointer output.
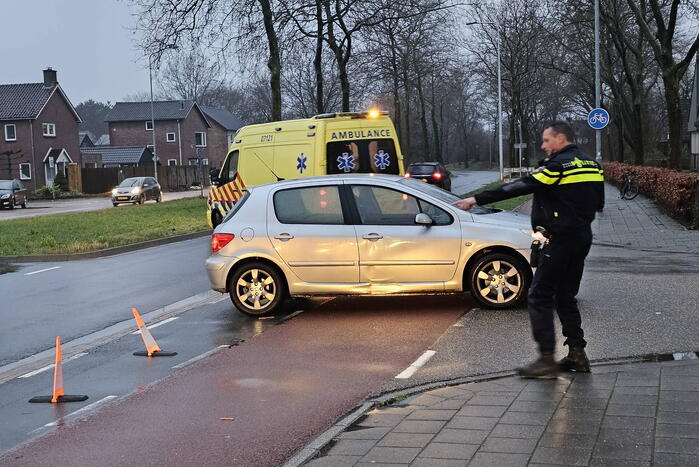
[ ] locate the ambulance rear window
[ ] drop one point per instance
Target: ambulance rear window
(362, 156)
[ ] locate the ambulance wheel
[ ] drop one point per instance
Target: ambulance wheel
(216, 217)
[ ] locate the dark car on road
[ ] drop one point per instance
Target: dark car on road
(12, 193)
(430, 172)
(137, 190)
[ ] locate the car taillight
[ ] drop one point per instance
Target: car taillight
(407, 175)
(437, 175)
(220, 240)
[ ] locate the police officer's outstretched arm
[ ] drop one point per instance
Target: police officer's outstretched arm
(541, 179)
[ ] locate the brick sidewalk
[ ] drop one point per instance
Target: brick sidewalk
(637, 415)
(637, 223)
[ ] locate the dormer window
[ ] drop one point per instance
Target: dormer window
(149, 125)
(49, 129)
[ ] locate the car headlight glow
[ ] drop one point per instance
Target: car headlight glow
(5, 196)
(114, 191)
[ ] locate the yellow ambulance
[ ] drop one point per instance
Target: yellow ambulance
(334, 143)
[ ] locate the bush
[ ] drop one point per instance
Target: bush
(675, 191)
(53, 192)
(61, 182)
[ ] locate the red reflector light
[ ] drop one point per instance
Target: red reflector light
(437, 175)
(407, 175)
(220, 240)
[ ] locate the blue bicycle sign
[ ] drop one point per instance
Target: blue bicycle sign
(598, 118)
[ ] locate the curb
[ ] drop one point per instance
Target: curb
(102, 253)
(315, 447)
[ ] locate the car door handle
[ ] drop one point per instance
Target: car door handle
(284, 236)
(372, 237)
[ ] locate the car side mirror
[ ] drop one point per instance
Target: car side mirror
(213, 176)
(423, 219)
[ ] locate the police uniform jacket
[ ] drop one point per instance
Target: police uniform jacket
(568, 189)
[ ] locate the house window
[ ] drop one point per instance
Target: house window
(49, 129)
(200, 139)
(205, 161)
(170, 137)
(25, 171)
(172, 162)
(149, 125)
(10, 132)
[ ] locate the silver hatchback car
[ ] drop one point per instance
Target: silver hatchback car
(365, 235)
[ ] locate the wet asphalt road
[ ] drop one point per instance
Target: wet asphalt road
(281, 389)
(81, 297)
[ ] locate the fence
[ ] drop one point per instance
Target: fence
(171, 178)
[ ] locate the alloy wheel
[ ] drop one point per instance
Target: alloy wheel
(498, 282)
(256, 289)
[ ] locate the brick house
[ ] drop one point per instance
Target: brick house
(181, 129)
(38, 131)
(224, 126)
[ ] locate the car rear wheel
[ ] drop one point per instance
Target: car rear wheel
(216, 217)
(256, 289)
(499, 280)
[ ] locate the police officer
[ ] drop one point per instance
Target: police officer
(568, 189)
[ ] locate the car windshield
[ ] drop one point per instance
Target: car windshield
(422, 169)
(5, 184)
(435, 192)
(130, 182)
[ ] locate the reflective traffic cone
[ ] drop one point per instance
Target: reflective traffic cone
(152, 348)
(58, 394)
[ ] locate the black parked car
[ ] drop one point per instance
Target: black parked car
(430, 172)
(137, 190)
(12, 193)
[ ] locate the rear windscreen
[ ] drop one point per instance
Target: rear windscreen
(422, 169)
(362, 156)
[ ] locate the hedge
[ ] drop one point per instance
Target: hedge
(674, 191)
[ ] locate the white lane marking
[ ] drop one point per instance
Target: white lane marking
(199, 357)
(48, 367)
(159, 323)
(408, 372)
(73, 415)
(42, 270)
(685, 356)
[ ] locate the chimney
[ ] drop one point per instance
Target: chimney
(50, 79)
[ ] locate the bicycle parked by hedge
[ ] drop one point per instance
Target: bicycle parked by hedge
(629, 186)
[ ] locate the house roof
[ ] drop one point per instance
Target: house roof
(85, 138)
(141, 111)
(223, 117)
(103, 140)
(120, 154)
(26, 101)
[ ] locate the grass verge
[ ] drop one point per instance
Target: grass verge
(97, 230)
(508, 204)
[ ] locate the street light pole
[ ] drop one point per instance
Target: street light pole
(502, 170)
(152, 116)
(598, 90)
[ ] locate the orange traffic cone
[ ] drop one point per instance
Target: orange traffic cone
(152, 348)
(58, 394)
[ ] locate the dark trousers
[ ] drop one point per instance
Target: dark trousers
(556, 283)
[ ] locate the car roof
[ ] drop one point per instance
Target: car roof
(426, 163)
(331, 178)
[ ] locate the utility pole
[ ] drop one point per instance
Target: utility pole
(598, 90)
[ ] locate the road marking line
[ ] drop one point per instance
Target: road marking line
(48, 367)
(199, 357)
(159, 323)
(87, 408)
(408, 372)
(42, 270)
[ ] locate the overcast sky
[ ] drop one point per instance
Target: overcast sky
(86, 41)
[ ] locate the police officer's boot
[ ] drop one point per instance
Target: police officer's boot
(545, 367)
(575, 361)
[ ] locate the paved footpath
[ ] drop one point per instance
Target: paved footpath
(637, 414)
(638, 224)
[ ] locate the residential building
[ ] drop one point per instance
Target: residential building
(38, 131)
(118, 156)
(180, 127)
(224, 126)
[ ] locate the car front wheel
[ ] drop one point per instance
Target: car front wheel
(499, 280)
(256, 289)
